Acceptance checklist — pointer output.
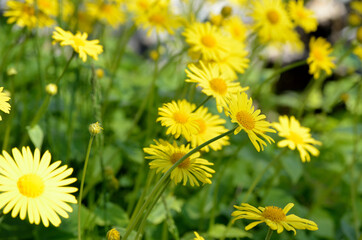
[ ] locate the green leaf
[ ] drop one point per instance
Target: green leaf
(293, 167)
(36, 135)
(158, 213)
(112, 214)
(218, 230)
(325, 223)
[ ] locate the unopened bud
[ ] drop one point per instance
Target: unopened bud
(99, 73)
(226, 11)
(51, 89)
(113, 234)
(95, 128)
(11, 71)
(359, 34)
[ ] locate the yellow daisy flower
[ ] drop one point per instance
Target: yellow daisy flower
(206, 39)
(30, 185)
(108, 13)
(319, 58)
(296, 136)
(358, 52)
(4, 105)
(357, 6)
(213, 82)
(271, 21)
(192, 169)
(198, 237)
(79, 43)
(139, 6)
(275, 217)
(301, 16)
(236, 28)
(241, 110)
(209, 126)
(178, 117)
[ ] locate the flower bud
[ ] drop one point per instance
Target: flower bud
(51, 89)
(359, 34)
(113, 234)
(226, 11)
(11, 71)
(99, 73)
(95, 128)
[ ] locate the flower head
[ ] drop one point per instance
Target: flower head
(178, 117)
(108, 13)
(31, 186)
(113, 234)
(4, 105)
(319, 58)
(198, 237)
(296, 136)
(275, 217)
(79, 43)
(301, 16)
(95, 128)
(51, 89)
(236, 28)
(192, 169)
(241, 110)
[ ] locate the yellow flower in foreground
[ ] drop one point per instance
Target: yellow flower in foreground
(4, 105)
(178, 117)
(30, 185)
(79, 43)
(319, 58)
(275, 217)
(210, 126)
(296, 136)
(198, 237)
(241, 110)
(192, 169)
(213, 82)
(302, 17)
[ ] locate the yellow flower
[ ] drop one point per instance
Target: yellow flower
(241, 110)
(236, 28)
(206, 39)
(358, 52)
(319, 58)
(192, 169)
(79, 43)
(356, 6)
(24, 15)
(95, 128)
(210, 126)
(296, 136)
(31, 186)
(4, 105)
(139, 6)
(271, 21)
(178, 117)
(51, 89)
(302, 17)
(213, 82)
(108, 13)
(198, 237)
(275, 217)
(113, 234)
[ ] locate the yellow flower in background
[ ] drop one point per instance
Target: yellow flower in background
(206, 39)
(140, 6)
(301, 16)
(4, 105)
(358, 52)
(24, 15)
(356, 6)
(296, 137)
(178, 118)
(236, 28)
(49, 7)
(319, 58)
(79, 43)
(198, 237)
(192, 169)
(108, 13)
(275, 217)
(209, 126)
(271, 21)
(31, 186)
(241, 111)
(213, 82)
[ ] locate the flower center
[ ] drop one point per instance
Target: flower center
(301, 14)
(180, 117)
(273, 16)
(28, 10)
(106, 8)
(246, 120)
(274, 214)
(31, 185)
(218, 85)
(78, 41)
(142, 4)
(296, 138)
(176, 156)
(317, 54)
(157, 19)
(208, 41)
(202, 125)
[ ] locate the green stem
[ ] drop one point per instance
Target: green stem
(82, 186)
(65, 68)
(164, 177)
(203, 102)
(269, 234)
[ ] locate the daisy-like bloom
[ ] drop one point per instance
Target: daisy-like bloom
(4, 105)
(301, 16)
(108, 13)
(241, 110)
(206, 39)
(213, 82)
(178, 117)
(210, 126)
(236, 28)
(319, 58)
(192, 169)
(31, 186)
(271, 21)
(140, 6)
(275, 217)
(198, 237)
(79, 43)
(296, 136)
(24, 15)
(358, 52)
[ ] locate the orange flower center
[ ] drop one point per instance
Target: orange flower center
(208, 41)
(296, 138)
(176, 156)
(317, 54)
(106, 8)
(142, 4)
(202, 125)
(28, 10)
(246, 120)
(157, 19)
(180, 117)
(273, 16)
(274, 214)
(31, 185)
(219, 86)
